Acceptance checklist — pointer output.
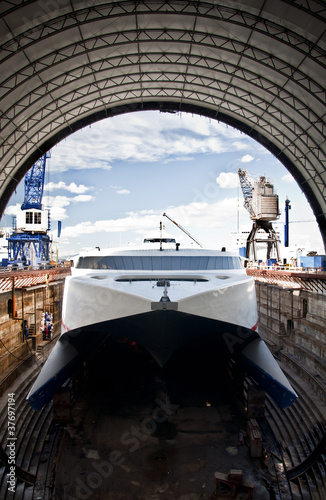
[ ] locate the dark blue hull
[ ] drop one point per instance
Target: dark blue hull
(161, 333)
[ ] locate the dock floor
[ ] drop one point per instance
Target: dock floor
(139, 432)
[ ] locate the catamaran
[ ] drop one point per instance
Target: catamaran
(162, 297)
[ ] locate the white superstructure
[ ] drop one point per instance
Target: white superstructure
(201, 282)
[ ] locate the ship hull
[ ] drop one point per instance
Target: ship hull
(162, 333)
(162, 301)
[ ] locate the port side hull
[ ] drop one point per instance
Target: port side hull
(160, 332)
(67, 355)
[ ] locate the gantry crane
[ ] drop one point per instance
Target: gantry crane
(262, 205)
(29, 243)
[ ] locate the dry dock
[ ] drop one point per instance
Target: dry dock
(125, 429)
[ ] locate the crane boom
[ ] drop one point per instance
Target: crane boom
(34, 184)
(247, 189)
(183, 229)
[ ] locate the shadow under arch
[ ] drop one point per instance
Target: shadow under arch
(172, 107)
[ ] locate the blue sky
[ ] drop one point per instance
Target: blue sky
(110, 183)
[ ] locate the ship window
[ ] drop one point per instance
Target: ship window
(166, 262)
(159, 263)
(118, 262)
(172, 279)
(147, 263)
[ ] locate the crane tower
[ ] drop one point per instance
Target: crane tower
(29, 243)
(262, 205)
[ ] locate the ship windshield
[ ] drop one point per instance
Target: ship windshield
(159, 240)
(159, 263)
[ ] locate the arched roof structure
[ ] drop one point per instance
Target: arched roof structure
(258, 65)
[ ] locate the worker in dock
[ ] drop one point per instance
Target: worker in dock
(25, 329)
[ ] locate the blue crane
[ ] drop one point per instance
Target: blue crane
(29, 243)
(34, 184)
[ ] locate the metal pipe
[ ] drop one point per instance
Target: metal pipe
(23, 319)
(286, 226)
(35, 311)
(13, 299)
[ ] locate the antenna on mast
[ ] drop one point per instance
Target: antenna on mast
(161, 248)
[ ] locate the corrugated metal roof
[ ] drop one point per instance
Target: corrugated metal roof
(258, 66)
(30, 278)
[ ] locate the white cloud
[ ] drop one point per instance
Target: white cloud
(129, 223)
(10, 210)
(123, 191)
(65, 201)
(82, 198)
(195, 217)
(238, 145)
(227, 180)
(56, 201)
(59, 213)
(146, 137)
(246, 159)
(120, 190)
(72, 187)
(287, 178)
(58, 204)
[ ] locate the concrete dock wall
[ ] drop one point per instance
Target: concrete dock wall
(292, 321)
(26, 305)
